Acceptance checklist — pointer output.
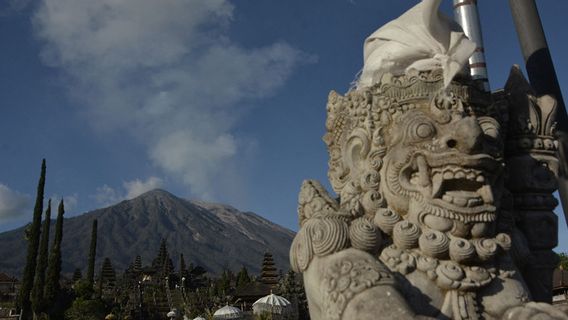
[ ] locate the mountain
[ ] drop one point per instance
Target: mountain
(214, 236)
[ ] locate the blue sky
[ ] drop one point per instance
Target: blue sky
(211, 99)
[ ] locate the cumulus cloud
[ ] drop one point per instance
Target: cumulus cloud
(13, 205)
(70, 202)
(107, 196)
(166, 73)
(137, 187)
(16, 206)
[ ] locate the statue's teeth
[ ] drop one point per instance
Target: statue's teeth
(423, 171)
(474, 202)
(462, 202)
(480, 178)
(459, 175)
(448, 175)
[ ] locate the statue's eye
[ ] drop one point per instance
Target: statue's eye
(425, 130)
(419, 127)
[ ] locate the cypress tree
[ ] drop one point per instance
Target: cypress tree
(92, 253)
(52, 287)
(38, 304)
(243, 277)
(33, 243)
(225, 282)
(168, 266)
(182, 268)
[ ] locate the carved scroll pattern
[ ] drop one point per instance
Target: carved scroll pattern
(348, 277)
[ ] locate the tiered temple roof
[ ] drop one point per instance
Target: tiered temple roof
(269, 273)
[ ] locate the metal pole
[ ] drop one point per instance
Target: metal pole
(466, 14)
(542, 76)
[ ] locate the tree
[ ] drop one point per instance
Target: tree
(196, 276)
(168, 266)
(563, 260)
(52, 287)
(182, 268)
(37, 297)
(292, 288)
(33, 243)
(92, 254)
(224, 282)
(168, 271)
(86, 309)
(243, 277)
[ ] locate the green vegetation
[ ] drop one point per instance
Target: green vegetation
(141, 292)
(33, 235)
(563, 260)
(37, 295)
(52, 286)
(92, 255)
(243, 277)
(86, 309)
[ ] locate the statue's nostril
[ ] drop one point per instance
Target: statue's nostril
(451, 143)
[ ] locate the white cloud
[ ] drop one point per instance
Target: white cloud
(165, 73)
(107, 196)
(70, 202)
(137, 187)
(13, 205)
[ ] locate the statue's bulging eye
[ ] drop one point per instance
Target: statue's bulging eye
(425, 130)
(419, 127)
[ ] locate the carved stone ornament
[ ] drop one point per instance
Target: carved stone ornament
(428, 222)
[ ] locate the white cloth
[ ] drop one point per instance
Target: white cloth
(422, 38)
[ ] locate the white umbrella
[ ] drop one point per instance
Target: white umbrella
(227, 312)
(271, 303)
(199, 318)
(172, 314)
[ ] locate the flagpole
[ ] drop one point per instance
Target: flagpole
(467, 15)
(542, 76)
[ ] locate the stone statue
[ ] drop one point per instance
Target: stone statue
(444, 207)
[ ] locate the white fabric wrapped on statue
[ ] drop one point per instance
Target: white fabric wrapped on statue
(423, 39)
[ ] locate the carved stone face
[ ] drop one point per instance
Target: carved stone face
(441, 168)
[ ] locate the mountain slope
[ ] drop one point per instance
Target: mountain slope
(214, 236)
